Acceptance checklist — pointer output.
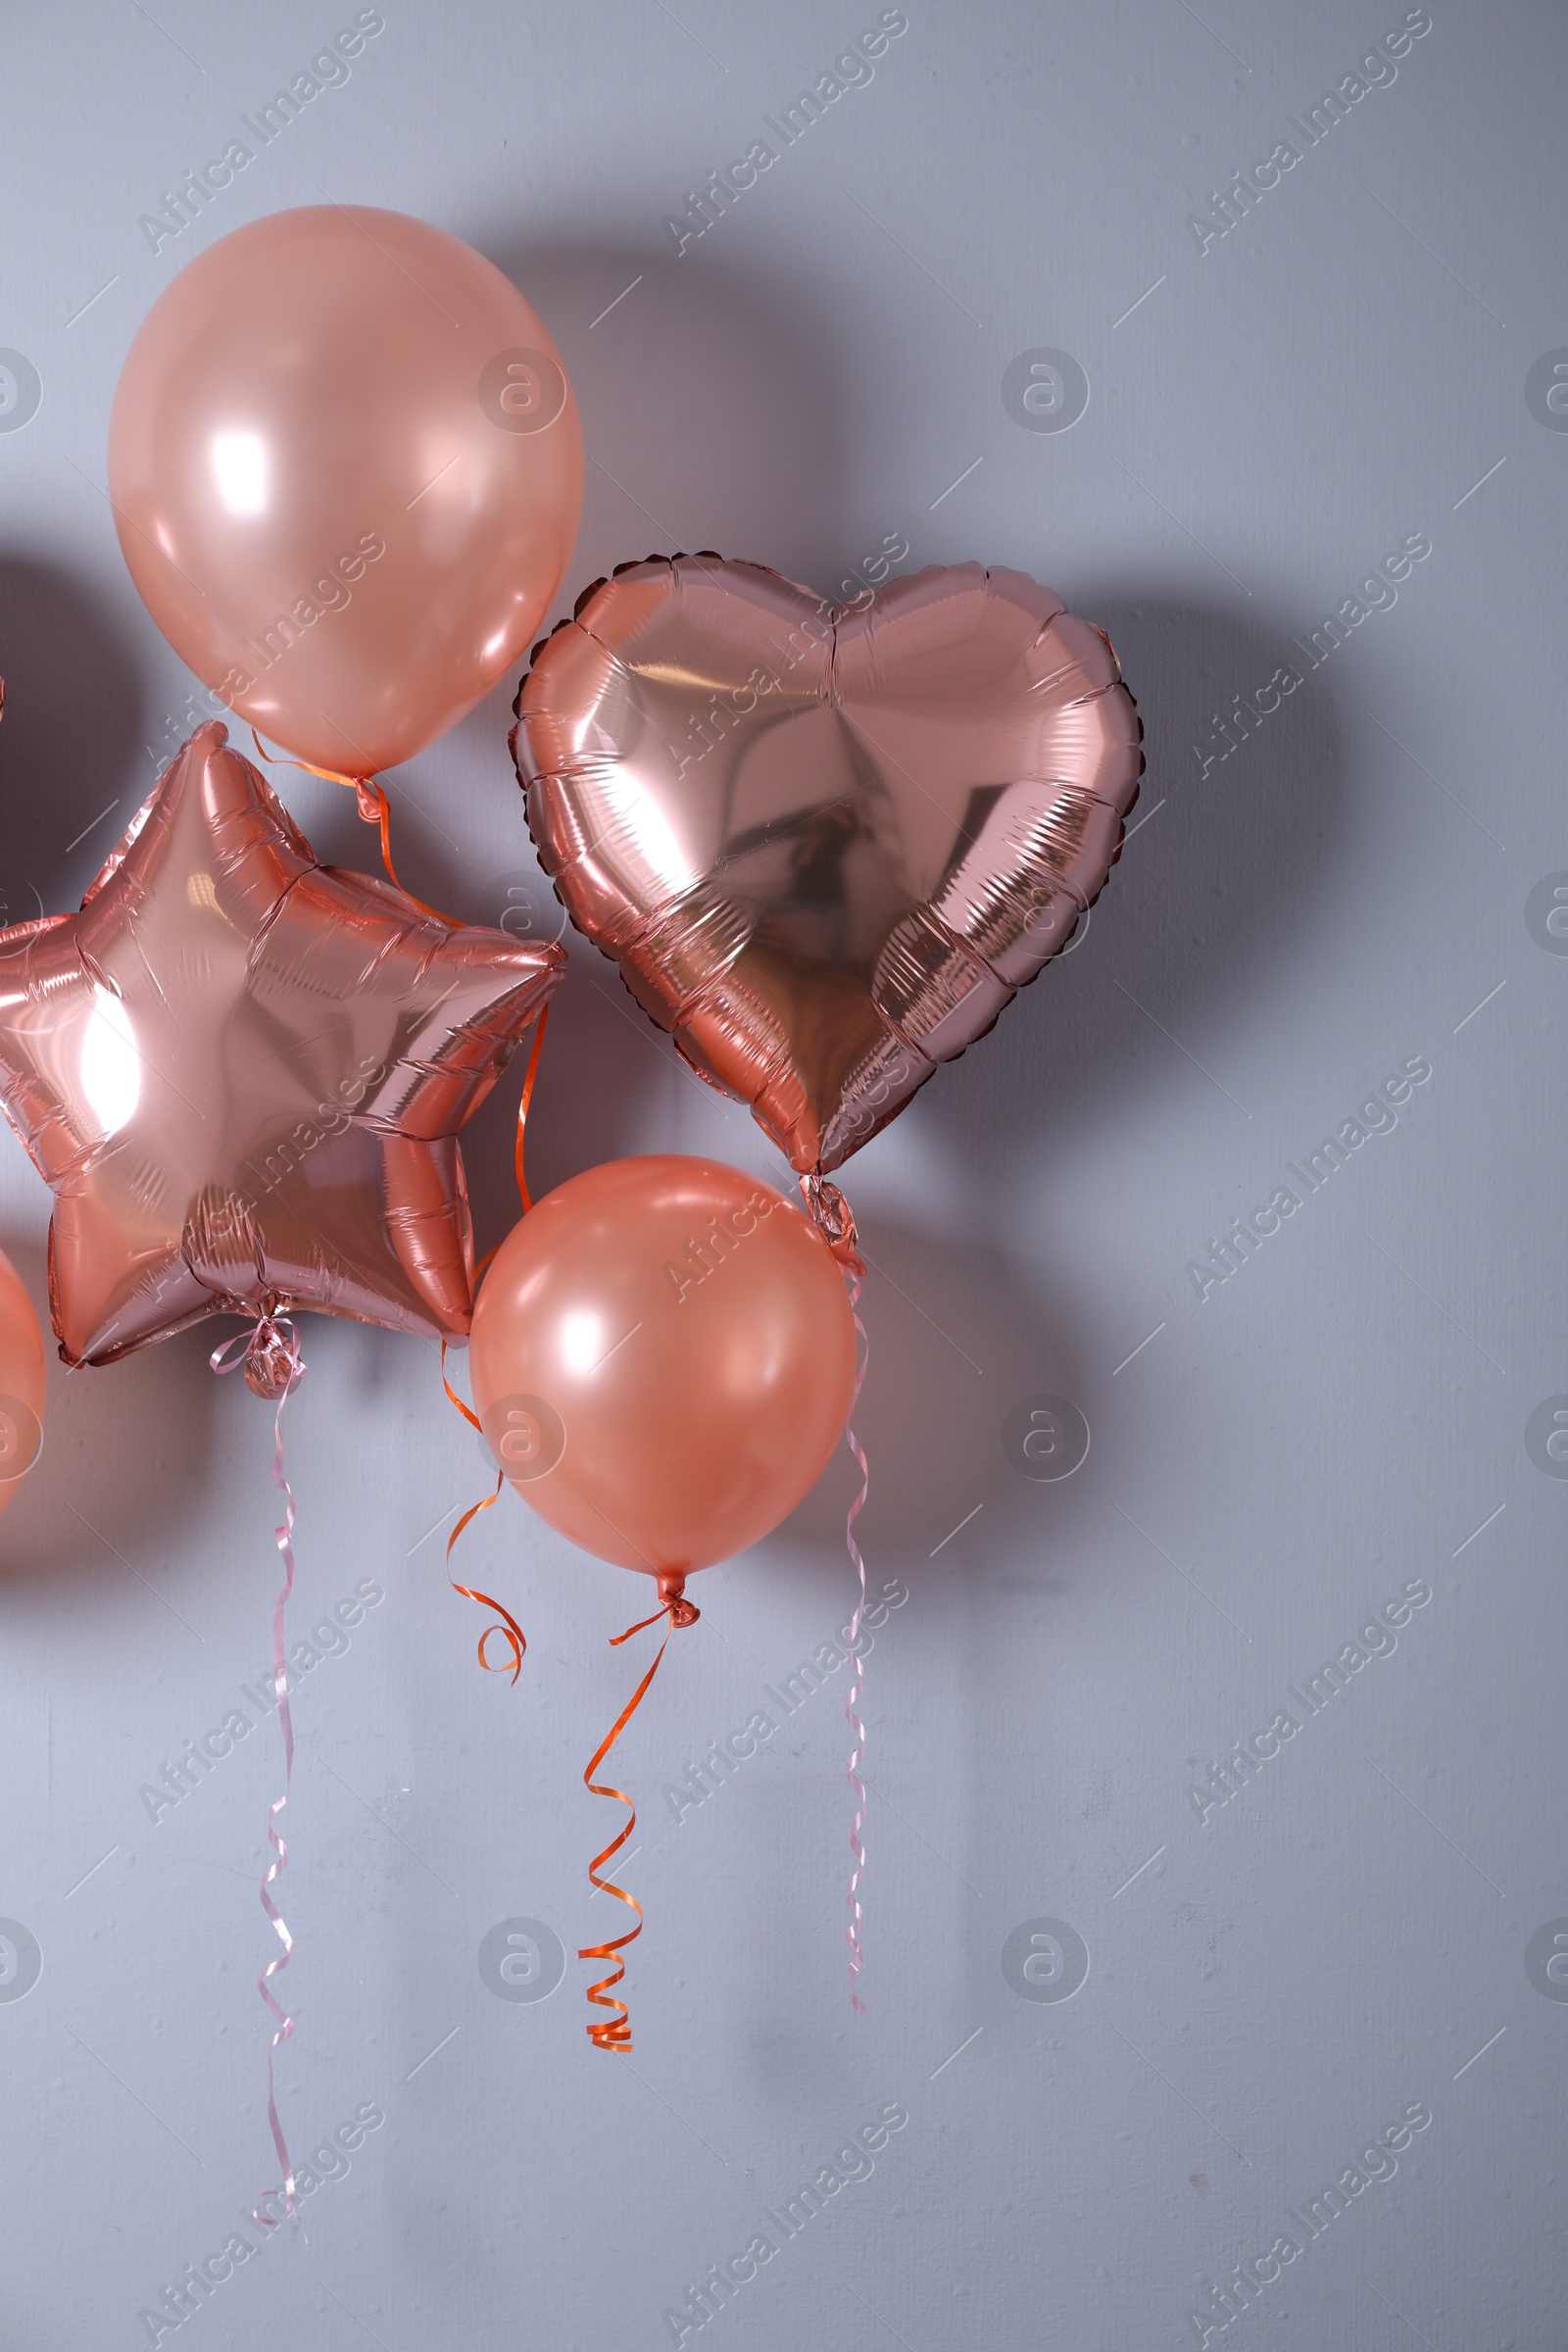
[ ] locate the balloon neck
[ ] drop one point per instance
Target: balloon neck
(672, 1592)
(834, 1220)
(269, 1352)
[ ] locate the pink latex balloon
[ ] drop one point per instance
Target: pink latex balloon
(346, 471)
(23, 1379)
(662, 1358)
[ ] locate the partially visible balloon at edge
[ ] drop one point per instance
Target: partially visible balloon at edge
(346, 471)
(24, 1379)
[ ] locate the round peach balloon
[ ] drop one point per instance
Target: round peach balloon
(663, 1361)
(23, 1379)
(346, 471)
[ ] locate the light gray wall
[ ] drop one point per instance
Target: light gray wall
(1345, 1416)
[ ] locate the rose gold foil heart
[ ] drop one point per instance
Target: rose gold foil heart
(825, 844)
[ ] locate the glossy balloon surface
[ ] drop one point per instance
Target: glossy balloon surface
(662, 1358)
(346, 471)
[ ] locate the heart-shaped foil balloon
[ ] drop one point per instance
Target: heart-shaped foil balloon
(825, 842)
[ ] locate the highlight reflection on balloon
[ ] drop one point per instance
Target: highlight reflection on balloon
(662, 1358)
(825, 844)
(346, 471)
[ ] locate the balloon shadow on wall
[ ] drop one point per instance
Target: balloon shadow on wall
(71, 744)
(70, 741)
(956, 1334)
(709, 404)
(1205, 911)
(1243, 843)
(122, 1444)
(1222, 876)
(681, 388)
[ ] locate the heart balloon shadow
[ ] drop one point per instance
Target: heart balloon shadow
(1221, 880)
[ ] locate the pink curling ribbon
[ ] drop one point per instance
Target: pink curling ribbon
(835, 1221)
(274, 1367)
(853, 1694)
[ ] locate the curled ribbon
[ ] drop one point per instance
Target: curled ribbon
(523, 1101)
(834, 1219)
(853, 1694)
(508, 1630)
(272, 1347)
(615, 2033)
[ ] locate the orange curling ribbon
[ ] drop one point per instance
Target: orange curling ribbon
(507, 1629)
(524, 1101)
(615, 2033)
(372, 804)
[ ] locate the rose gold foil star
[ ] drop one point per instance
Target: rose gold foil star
(243, 1075)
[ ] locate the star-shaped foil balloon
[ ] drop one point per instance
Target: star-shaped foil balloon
(243, 1075)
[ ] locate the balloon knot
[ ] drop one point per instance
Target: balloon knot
(273, 1364)
(834, 1219)
(271, 1360)
(671, 1591)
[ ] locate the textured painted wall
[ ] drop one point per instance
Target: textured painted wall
(1214, 1874)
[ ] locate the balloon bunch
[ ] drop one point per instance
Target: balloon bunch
(824, 844)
